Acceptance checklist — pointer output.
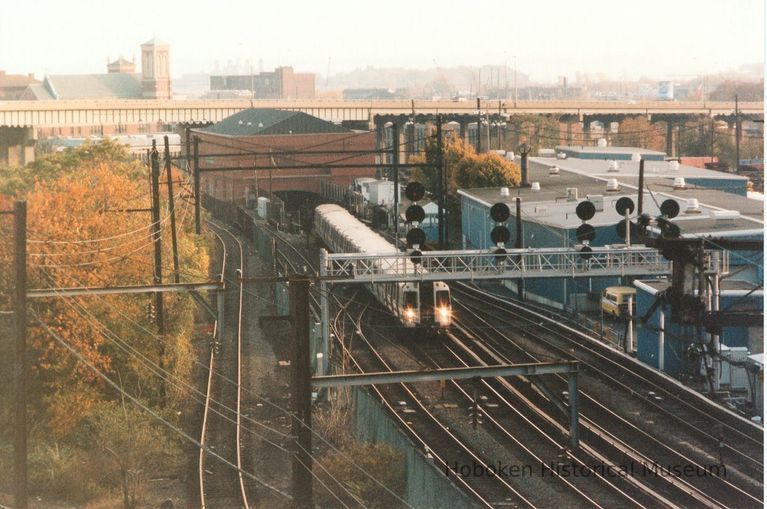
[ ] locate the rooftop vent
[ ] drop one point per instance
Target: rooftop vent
(673, 165)
(504, 191)
(679, 183)
(613, 167)
(598, 200)
(561, 155)
(635, 157)
(572, 194)
(612, 186)
(554, 171)
(602, 143)
(725, 217)
(693, 207)
(509, 156)
(535, 187)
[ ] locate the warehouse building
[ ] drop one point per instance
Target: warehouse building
(270, 139)
(557, 186)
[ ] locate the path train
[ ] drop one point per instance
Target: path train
(416, 304)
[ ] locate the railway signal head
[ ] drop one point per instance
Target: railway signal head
(585, 210)
(415, 237)
(500, 212)
(500, 235)
(415, 214)
(624, 204)
(669, 208)
(415, 191)
(415, 256)
(585, 232)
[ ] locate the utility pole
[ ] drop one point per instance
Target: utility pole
(479, 126)
(515, 81)
(301, 393)
(395, 168)
(440, 185)
(641, 187)
(519, 244)
(188, 148)
(172, 207)
(155, 174)
(197, 221)
(445, 188)
(20, 364)
(737, 136)
(498, 124)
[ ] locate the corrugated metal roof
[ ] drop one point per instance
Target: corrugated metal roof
(264, 121)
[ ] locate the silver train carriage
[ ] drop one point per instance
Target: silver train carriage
(414, 304)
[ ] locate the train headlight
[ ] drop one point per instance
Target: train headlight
(444, 315)
(410, 314)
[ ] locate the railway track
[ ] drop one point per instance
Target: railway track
(616, 435)
(423, 426)
(221, 485)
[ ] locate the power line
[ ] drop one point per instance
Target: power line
(151, 412)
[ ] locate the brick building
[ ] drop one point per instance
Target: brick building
(260, 137)
(282, 83)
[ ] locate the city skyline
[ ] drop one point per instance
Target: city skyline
(660, 40)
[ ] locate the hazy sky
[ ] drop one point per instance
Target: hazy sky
(659, 38)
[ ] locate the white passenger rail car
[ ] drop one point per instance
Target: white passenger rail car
(416, 305)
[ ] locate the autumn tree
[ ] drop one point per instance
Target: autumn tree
(466, 169)
(640, 132)
(80, 235)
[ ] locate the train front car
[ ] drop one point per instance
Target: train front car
(443, 305)
(343, 233)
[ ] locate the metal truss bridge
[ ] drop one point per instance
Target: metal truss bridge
(478, 265)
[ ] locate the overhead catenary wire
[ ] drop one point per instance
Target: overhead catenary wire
(164, 374)
(151, 412)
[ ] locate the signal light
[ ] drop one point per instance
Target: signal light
(500, 212)
(624, 204)
(415, 191)
(669, 208)
(500, 235)
(415, 214)
(415, 237)
(585, 210)
(586, 252)
(585, 232)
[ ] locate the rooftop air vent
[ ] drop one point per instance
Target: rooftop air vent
(612, 186)
(613, 167)
(602, 143)
(561, 155)
(535, 187)
(554, 171)
(635, 157)
(598, 200)
(509, 156)
(692, 206)
(673, 165)
(504, 191)
(679, 183)
(725, 217)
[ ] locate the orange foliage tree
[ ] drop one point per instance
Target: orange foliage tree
(80, 235)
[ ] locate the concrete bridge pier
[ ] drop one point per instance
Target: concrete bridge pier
(17, 145)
